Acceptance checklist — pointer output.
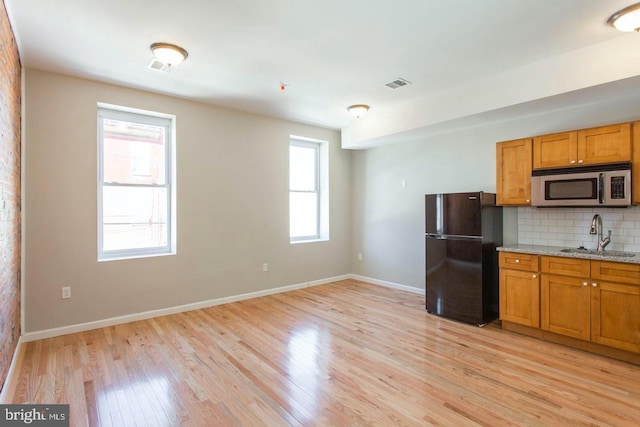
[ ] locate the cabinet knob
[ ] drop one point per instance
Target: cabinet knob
(572, 162)
(528, 201)
(533, 276)
(580, 161)
(585, 284)
(595, 285)
(517, 261)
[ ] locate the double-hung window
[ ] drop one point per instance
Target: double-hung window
(136, 183)
(308, 190)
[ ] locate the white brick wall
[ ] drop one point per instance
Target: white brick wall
(569, 227)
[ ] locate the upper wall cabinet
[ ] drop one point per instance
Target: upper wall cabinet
(513, 172)
(604, 144)
(635, 165)
(555, 150)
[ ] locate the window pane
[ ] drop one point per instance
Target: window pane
(303, 214)
(134, 217)
(134, 153)
(302, 168)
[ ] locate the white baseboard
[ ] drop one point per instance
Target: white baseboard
(411, 289)
(81, 327)
(9, 385)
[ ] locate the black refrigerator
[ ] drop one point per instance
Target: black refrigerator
(462, 233)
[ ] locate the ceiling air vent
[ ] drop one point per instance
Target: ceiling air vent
(399, 82)
(161, 66)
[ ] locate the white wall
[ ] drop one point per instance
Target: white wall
(232, 174)
(388, 220)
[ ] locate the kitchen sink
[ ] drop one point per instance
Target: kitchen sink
(594, 252)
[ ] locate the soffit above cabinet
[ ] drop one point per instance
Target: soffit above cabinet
(470, 63)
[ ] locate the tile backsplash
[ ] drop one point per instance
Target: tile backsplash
(569, 227)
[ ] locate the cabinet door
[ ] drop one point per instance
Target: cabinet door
(513, 172)
(605, 144)
(520, 297)
(556, 150)
(615, 315)
(635, 176)
(565, 307)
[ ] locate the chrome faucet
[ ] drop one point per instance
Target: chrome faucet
(596, 228)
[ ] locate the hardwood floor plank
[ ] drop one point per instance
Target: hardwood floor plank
(93, 416)
(346, 353)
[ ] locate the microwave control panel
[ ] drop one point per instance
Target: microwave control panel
(617, 187)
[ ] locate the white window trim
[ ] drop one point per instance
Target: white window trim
(153, 118)
(322, 187)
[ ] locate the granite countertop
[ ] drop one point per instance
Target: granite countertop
(609, 255)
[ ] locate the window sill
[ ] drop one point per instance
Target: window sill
(124, 257)
(295, 242)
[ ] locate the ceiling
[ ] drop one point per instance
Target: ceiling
(334, 53)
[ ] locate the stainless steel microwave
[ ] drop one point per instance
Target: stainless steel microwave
(598, 185)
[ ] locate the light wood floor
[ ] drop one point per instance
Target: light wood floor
(342, 354)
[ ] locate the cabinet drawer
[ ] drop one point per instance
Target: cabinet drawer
(518, 261)
(565, 266)
(616, 272)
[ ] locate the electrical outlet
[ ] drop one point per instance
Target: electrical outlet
(360, 257)
(265, 266)
(403, 183)
(66, 292)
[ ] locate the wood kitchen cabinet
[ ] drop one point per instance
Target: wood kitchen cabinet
(565, 297)
(615, 315)
(519, 289)
(615, 305)
(635, 165)
(555, 150)
(604, 144)
(597, 301)
(588, 304)
(513, 172)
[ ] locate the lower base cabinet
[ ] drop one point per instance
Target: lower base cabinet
(519, 297)
(615, 315)
(565, 306)
(615, 305)
(591, 301)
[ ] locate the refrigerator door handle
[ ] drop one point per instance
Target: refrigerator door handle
(451, 237)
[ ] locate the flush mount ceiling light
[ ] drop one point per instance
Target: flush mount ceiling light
(627, 19)
(358, 110)
(169, 54)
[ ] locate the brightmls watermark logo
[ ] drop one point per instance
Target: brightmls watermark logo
(34, 415)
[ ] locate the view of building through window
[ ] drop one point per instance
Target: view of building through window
(135, 208)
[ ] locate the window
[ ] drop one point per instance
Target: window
(308, 190)
(136, 183)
